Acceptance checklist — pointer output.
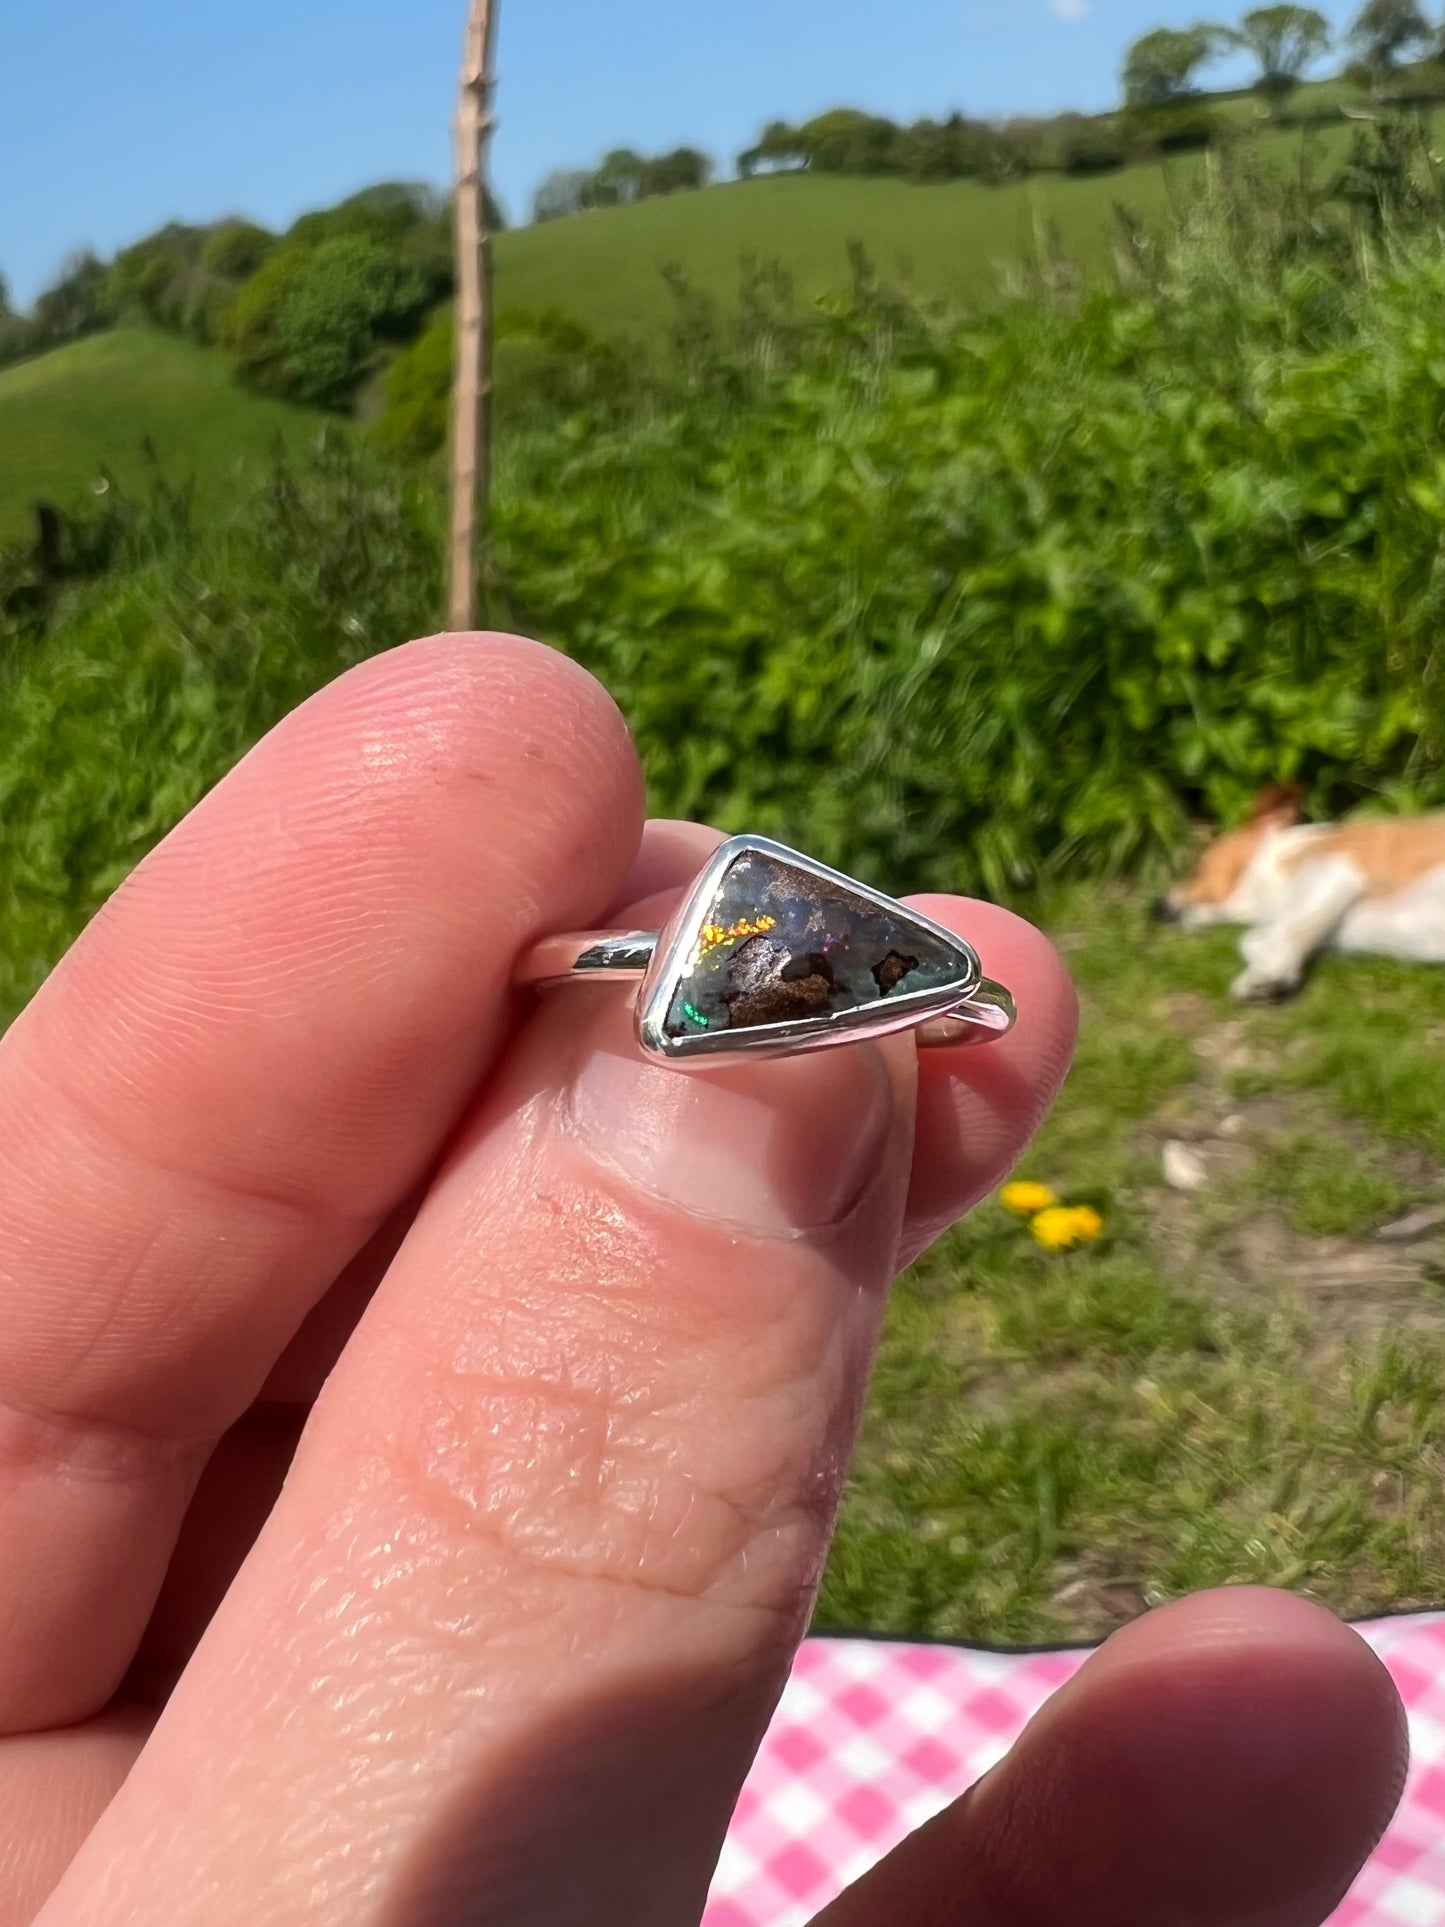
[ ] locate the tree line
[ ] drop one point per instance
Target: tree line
(623, 176)
(1163, 111)
(1163, 108)
(307, 314)
(1284, 42)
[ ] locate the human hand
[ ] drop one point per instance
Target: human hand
(578, 1345)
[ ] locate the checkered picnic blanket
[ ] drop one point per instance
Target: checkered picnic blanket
(873, 1738)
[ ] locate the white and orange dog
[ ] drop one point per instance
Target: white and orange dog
(1376, 888)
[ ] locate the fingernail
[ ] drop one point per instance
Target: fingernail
(788, 1145)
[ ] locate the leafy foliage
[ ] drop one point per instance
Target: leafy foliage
(949, 602)
(181, 278)
(347, 296)
(310, 323)
(1383, 30)
(76, 304)
(302, 316)
(1284, 40)
(1162, 117)
(235, 249)
(345, 286)
(845, 140)
(546, 366)
(622, 177)
(1162, 66)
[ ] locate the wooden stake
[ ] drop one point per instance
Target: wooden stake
(472, 387)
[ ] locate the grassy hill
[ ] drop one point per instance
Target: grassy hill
(88, 406)
(67, 413)
(958, 239)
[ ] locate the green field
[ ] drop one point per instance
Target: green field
(1239, 1384)
(88, 407)
(960, 240)
(67, 414)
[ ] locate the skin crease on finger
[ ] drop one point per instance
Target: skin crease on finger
(600, 1407)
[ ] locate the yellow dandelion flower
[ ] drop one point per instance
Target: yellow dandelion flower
(1054, 1228)
(1025, 1200)
(1062, 1227)
(1088, 1225)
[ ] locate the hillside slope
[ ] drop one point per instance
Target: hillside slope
(67, 413)
(90, 405)
(958, 239)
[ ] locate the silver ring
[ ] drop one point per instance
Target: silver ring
(770, 953)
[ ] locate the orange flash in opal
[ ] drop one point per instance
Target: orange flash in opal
(714, 935)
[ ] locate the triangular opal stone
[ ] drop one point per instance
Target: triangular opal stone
(779, 943)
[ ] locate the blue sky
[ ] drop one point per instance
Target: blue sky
(116, 118)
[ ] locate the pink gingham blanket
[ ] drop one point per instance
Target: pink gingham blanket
(873, 1738)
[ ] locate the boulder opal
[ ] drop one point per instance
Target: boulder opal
(779, 945)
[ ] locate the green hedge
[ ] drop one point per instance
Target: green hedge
(1026, 597)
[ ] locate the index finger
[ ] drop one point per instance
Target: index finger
(252, 1054)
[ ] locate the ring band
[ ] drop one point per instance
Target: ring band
(770, 953)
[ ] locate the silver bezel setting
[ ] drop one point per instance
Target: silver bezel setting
(668, 967)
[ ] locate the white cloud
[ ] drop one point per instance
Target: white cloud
(1071, 9)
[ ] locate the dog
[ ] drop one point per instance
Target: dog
(1375, 888)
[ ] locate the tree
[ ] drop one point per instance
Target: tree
(348, 297)
(563, 192)
(250, 329)
(618, 180)
(1385, 29)
(17, 334)
(1284, 41)
(150, 280)
(236, 248)
(676, 173)
(846, 141)
(779, 148)
(471, 399)
(1162, 66)
(77, 303)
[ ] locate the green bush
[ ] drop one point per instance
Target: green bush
(75, 304)
(236, 249)
(311, 322)
(347, 297)
(1178, 128)
(1093, 147)
(410, 219)
(417, 393)
(250, 326)
(545, 364)
(969, 606)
